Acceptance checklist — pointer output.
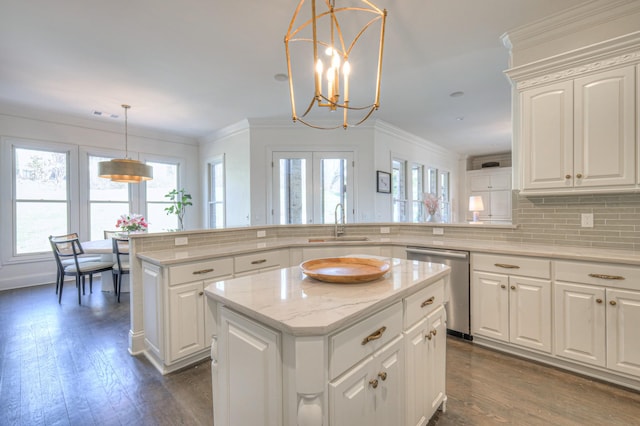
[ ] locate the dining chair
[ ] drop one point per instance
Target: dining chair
(121, 265)
(71, 249)
(67, 262)
(110, 234)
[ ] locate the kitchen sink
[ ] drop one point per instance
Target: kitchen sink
(333, 239)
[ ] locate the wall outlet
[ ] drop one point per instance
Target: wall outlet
(438, 231)
(182, 241)
(384, 230)
(587, 220)
(262, 234)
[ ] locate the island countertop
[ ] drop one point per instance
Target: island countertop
(293, 303)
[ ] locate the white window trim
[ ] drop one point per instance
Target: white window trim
(210, 162)
(7, 194)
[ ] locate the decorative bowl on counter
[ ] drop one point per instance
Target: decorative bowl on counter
(345, 270)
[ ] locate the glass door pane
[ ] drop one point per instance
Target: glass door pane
(332, 172)
(291, 188)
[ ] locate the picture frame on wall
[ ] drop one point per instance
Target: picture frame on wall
(383, 182)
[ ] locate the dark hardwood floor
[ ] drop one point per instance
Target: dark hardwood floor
(68, 364)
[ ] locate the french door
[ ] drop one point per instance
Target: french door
(308, 186)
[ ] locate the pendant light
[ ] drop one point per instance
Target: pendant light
(125, 169)
(344, 44)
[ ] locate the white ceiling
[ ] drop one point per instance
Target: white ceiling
(194, 66)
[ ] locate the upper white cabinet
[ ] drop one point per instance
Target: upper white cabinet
(494, 186)
(579, 135)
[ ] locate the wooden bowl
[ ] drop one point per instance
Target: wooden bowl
(345, 270)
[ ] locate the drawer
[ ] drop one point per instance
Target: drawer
(352, 344)
(423, 302)
(200, 271)
(602, 274)
(512, 265)
(265, 259)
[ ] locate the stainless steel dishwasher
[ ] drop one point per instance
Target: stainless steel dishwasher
(458, 313)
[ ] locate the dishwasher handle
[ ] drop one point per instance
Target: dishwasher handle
(441, 253)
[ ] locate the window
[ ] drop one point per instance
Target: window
(417, 190)
(295, 176)
(165, 179)
(107, 200)
(41, 198)
(399, 190)
(445, 195)
(216, 194)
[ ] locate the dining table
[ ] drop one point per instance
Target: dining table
(104, 248)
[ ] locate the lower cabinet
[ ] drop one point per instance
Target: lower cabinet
(598, 324)
(511, 308)
(252, 373)
(371, 392)
(187, 331)
(426, 356)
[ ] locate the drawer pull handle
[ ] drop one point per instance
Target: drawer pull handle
(383, 375)
(607, 277)
(257, 262)
(506, 266)
(375, 335)
(373, 383)
(613, 303)
(428, 302)
(598, 300)
(203, 271)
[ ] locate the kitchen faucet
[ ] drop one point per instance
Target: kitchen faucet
(339, 231)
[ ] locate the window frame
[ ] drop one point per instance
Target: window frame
(144, 201)
(8, 193)
(219, 159)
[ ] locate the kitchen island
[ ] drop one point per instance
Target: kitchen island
(288, 349)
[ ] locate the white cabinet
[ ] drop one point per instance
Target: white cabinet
(177, 316)
(248, 368)
(425, 341)
(511, 300)
(494, 186)
(597, 313)
(580, 134)
(371, 392)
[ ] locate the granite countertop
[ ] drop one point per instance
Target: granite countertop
(191, 254)
(293, 303)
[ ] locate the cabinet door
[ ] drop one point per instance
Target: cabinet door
(418, 373)
(479, 181)
(351, 396)
(152, 284)
(530, 313)
(389, 395)
(547, 136)
(436, 359)
(186, 320)
(249, 369)
(490, 306)
(604, 132)
(623, 335)
(580, 322)
(500, 205)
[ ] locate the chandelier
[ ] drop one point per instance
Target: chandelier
(334, 49)
(125, 169)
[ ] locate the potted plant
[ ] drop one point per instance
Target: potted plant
(180, 199)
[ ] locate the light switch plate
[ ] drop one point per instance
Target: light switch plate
(438, 231)
(262, 234)
(182, 241)
(384, 230)
(587, 220)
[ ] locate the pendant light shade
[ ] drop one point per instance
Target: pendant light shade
(125, 169)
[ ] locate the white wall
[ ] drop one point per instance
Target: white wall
(232, 143)
(18, 123)
(373, 144)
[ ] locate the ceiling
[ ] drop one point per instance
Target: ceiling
(192, 67)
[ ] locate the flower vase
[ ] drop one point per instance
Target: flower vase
(432, 217)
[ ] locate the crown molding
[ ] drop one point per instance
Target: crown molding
(614, 53)
(391, 130)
